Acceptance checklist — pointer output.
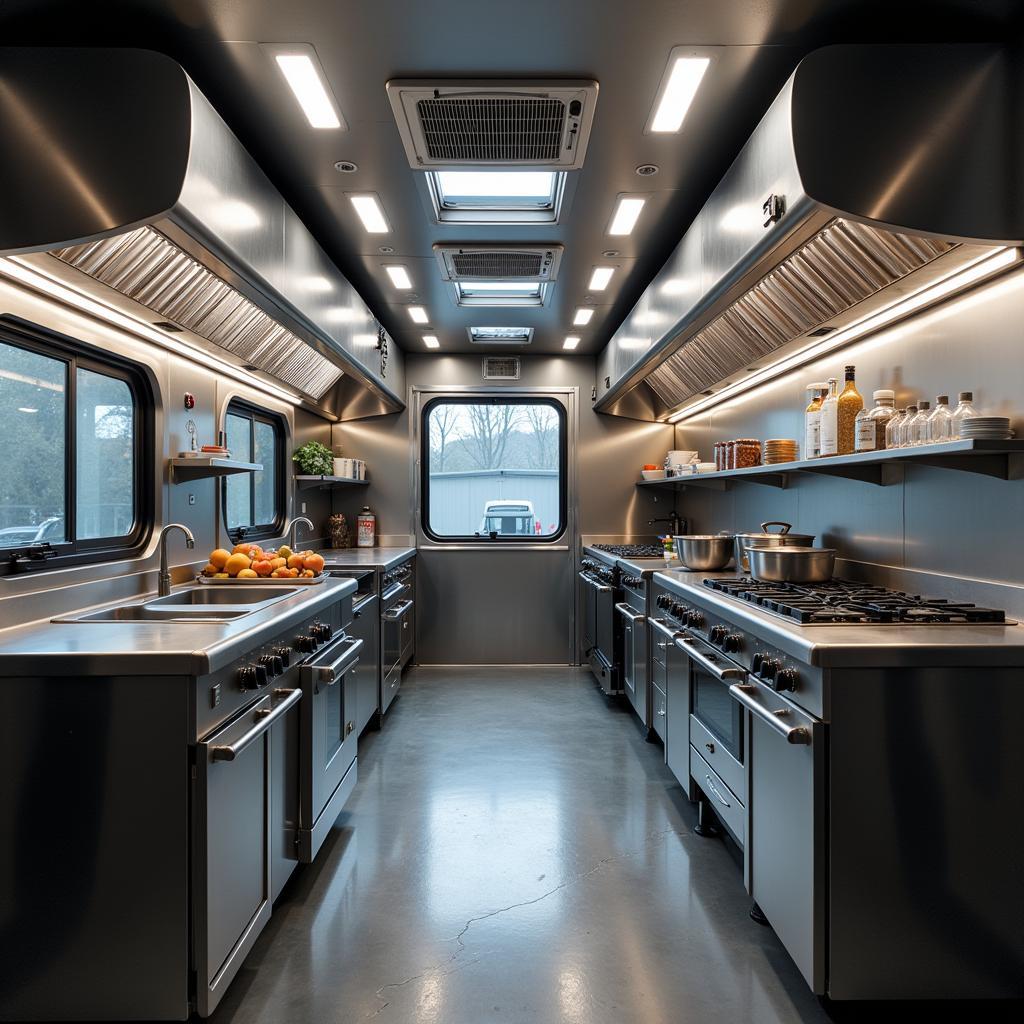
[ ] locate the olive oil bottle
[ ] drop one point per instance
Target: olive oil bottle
(849, 403)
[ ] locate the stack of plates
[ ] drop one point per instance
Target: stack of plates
(780, 449)
(990, 428)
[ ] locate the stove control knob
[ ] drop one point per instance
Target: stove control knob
(755, 664)
(732, 643)
(262, 676)
(305, 644)
(678, 611)
(321, 631)
(785, 679)
(247, 677)
(717, 634)
(769, 666)
(271, 664)
(285, 654)
(695, 619)
(664, 601)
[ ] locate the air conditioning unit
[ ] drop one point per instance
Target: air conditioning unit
(455, 125)
(500, 367)
(498, 263)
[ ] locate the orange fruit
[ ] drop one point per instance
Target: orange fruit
(308, 573)
(221, 576)
(293, 572)
(279, 574)
(218, 557)
(241, 549)
(284, 552)
(236, 563)
(209, 570)
(279, 563)
(262, 568)
(314, 562)
(295, 561)
(247, 574)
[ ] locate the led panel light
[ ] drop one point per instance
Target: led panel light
(570, 342)
(306, 79)
(399, 277)
(627, 211)
(599, 278)
(582, 317)
(678, 88)
(368, 208)
(418, 315)
(431, 341)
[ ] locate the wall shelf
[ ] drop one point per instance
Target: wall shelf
(209, 466)
(324, 482)
(1001, 459)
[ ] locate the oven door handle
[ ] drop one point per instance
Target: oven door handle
(266, 720)
(334, 670)
(744, 693)
(665, 631)
(688, 645)
(627, 613)
(601, 588)
(359, 609)
(393, 614)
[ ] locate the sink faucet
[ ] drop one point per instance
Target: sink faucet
(677, 522)
(293, 531)
(164, 584)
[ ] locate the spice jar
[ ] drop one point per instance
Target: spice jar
(718, 455)
(748, 453)
(730, 454)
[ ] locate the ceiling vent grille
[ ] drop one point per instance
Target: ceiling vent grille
(150, 269)
(500, 335)
(498, 263)
(500, 367)
(456, 124)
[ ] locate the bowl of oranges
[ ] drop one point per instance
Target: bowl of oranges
(250, 563)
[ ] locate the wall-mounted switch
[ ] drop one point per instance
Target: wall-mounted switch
(191, 499)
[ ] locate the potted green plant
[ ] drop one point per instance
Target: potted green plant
(314, 459)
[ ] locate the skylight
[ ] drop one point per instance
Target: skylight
(500, 293)
(496, 197)
(500, 335)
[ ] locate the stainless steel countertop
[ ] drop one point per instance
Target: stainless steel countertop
(155, 648)
(367, 558)
(857, 646)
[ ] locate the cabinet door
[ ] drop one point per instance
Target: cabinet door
(677, 722)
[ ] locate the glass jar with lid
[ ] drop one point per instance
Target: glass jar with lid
(940, 422)
(748, 452)
(892, 428)
(963, 411)
(917, 432)
(869, 427)
(905, 425)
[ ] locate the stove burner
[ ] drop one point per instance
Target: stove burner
(846, 601)
(632, 550)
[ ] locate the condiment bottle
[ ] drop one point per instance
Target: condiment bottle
(850, 403)
(918, 430)
(940, 422)
(905, 425)
(892, 429)
(963, 411)
(829, 436)
(812, 420)
(871, 423)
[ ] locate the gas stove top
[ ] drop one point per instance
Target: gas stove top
(842, 602)
(632, 550)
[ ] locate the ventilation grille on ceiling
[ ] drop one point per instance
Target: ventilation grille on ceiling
(500, 367)
(845, 263)
(494, 124)
(501, 335)
(498, 263)
(147, 267)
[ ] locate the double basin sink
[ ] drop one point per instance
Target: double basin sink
(196, 604)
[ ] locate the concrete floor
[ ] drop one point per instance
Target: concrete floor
(515, 852)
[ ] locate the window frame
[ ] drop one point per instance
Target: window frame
(563, 468)
(76, 354)
(495, 209)
(242, 408)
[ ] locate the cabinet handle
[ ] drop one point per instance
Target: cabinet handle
(773, 719)
(711, 786)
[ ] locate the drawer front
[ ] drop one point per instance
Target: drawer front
(726, 804)
(725, 765)
(659, 712)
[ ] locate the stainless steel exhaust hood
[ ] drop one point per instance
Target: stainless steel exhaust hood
(117, 166)
(878, 172)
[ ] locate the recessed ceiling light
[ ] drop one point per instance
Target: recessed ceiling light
(431, 341)
(626, 213)
(306, 80)
(678, 87)
(582, 317)
(600, 277)
(418, 315)
(346, 167)
(399, 277)
(370, 213)
(571, 342)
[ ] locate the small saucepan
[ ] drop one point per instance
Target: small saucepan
(767, 539)
(792, 564)
(707, 552)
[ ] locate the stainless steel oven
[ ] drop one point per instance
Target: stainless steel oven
(632, 613)
(328, 775)
(396, 630)
(600, 635)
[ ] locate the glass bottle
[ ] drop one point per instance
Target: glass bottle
(829, 436)
(963, 411)
(850, 403)
(892, 429)
(918, 432)
(869, 427)
(812, 420)
(940, 423)
(905, 424)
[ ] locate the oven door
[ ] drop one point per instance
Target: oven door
(232, 844)
(634, 657)
(328, 740)
(394, 624)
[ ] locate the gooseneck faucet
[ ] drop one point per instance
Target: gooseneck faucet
(293, 531)
(164, 581)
